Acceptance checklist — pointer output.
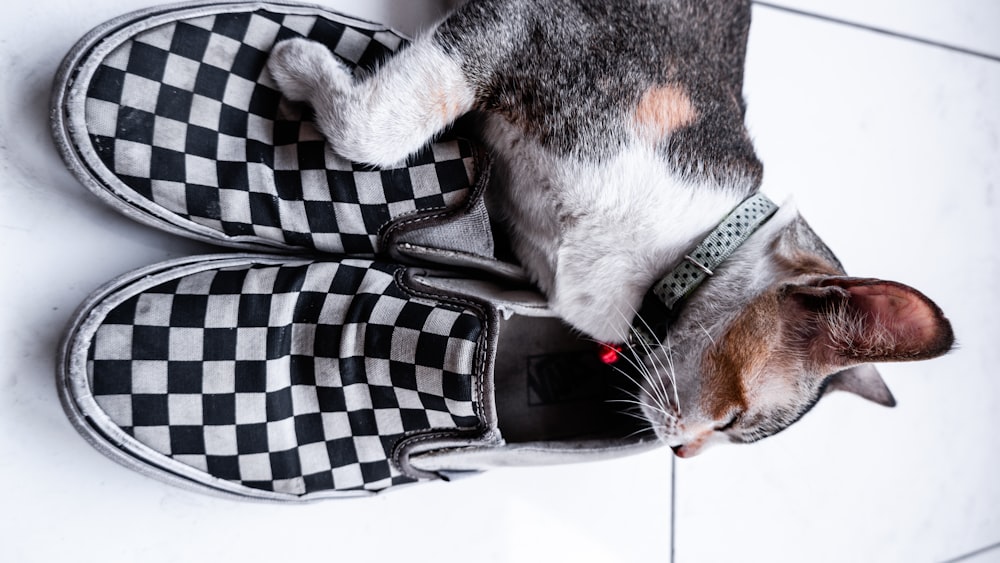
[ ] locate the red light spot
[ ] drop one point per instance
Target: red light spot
(609, 353)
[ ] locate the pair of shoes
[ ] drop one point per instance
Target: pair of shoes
(363, 337)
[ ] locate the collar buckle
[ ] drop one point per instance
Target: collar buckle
(699, 265)
(659, 306)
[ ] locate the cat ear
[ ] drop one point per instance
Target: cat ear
(864, 381)
(858, 320)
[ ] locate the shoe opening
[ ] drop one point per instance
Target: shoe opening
(552, 385)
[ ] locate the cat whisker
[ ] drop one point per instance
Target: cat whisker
(637, 336)
(638, 367)
(668, 357)
(656, 386)
(643, 404)
(640, 410)
(636, 433)
(636, 416)
(637, 410)
(668, 353)
(638, 399)
(707, 334)
(668, 369)
(635, 395)
(658, 394)
(655, 399)
(647, 424)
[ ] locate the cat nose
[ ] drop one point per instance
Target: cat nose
(693, 447)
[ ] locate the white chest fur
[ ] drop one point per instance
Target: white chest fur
(597, 235)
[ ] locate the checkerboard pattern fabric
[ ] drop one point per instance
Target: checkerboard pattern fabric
(185, 120)
(294, 378)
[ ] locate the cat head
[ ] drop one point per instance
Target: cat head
(778, 326)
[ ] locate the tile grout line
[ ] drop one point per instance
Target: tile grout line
(673, 506)
(883, 31)
(972, 554)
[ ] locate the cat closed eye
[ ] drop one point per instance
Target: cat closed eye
(729, 425)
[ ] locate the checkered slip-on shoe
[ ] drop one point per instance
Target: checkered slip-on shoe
(170, 116)
(288, 378)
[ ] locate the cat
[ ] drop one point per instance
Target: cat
(619, 140)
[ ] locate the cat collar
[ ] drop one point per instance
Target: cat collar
(660, 304)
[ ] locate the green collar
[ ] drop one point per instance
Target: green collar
(661, 302)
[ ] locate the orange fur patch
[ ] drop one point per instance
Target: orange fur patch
(662, 110)
(448, 105)
(744, 350)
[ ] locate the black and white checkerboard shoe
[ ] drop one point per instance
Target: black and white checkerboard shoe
(170, 116)
(290, 378)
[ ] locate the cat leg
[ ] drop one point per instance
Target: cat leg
(387, 115)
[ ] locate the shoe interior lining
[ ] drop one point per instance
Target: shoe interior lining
(552, 386)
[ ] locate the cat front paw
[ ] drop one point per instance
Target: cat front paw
(302, 69)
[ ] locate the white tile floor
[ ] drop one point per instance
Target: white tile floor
(967, 24)
(891, 149)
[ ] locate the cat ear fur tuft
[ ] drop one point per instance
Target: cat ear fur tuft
(868, 320)
(864, 381)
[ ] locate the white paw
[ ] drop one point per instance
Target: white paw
(302, 69)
